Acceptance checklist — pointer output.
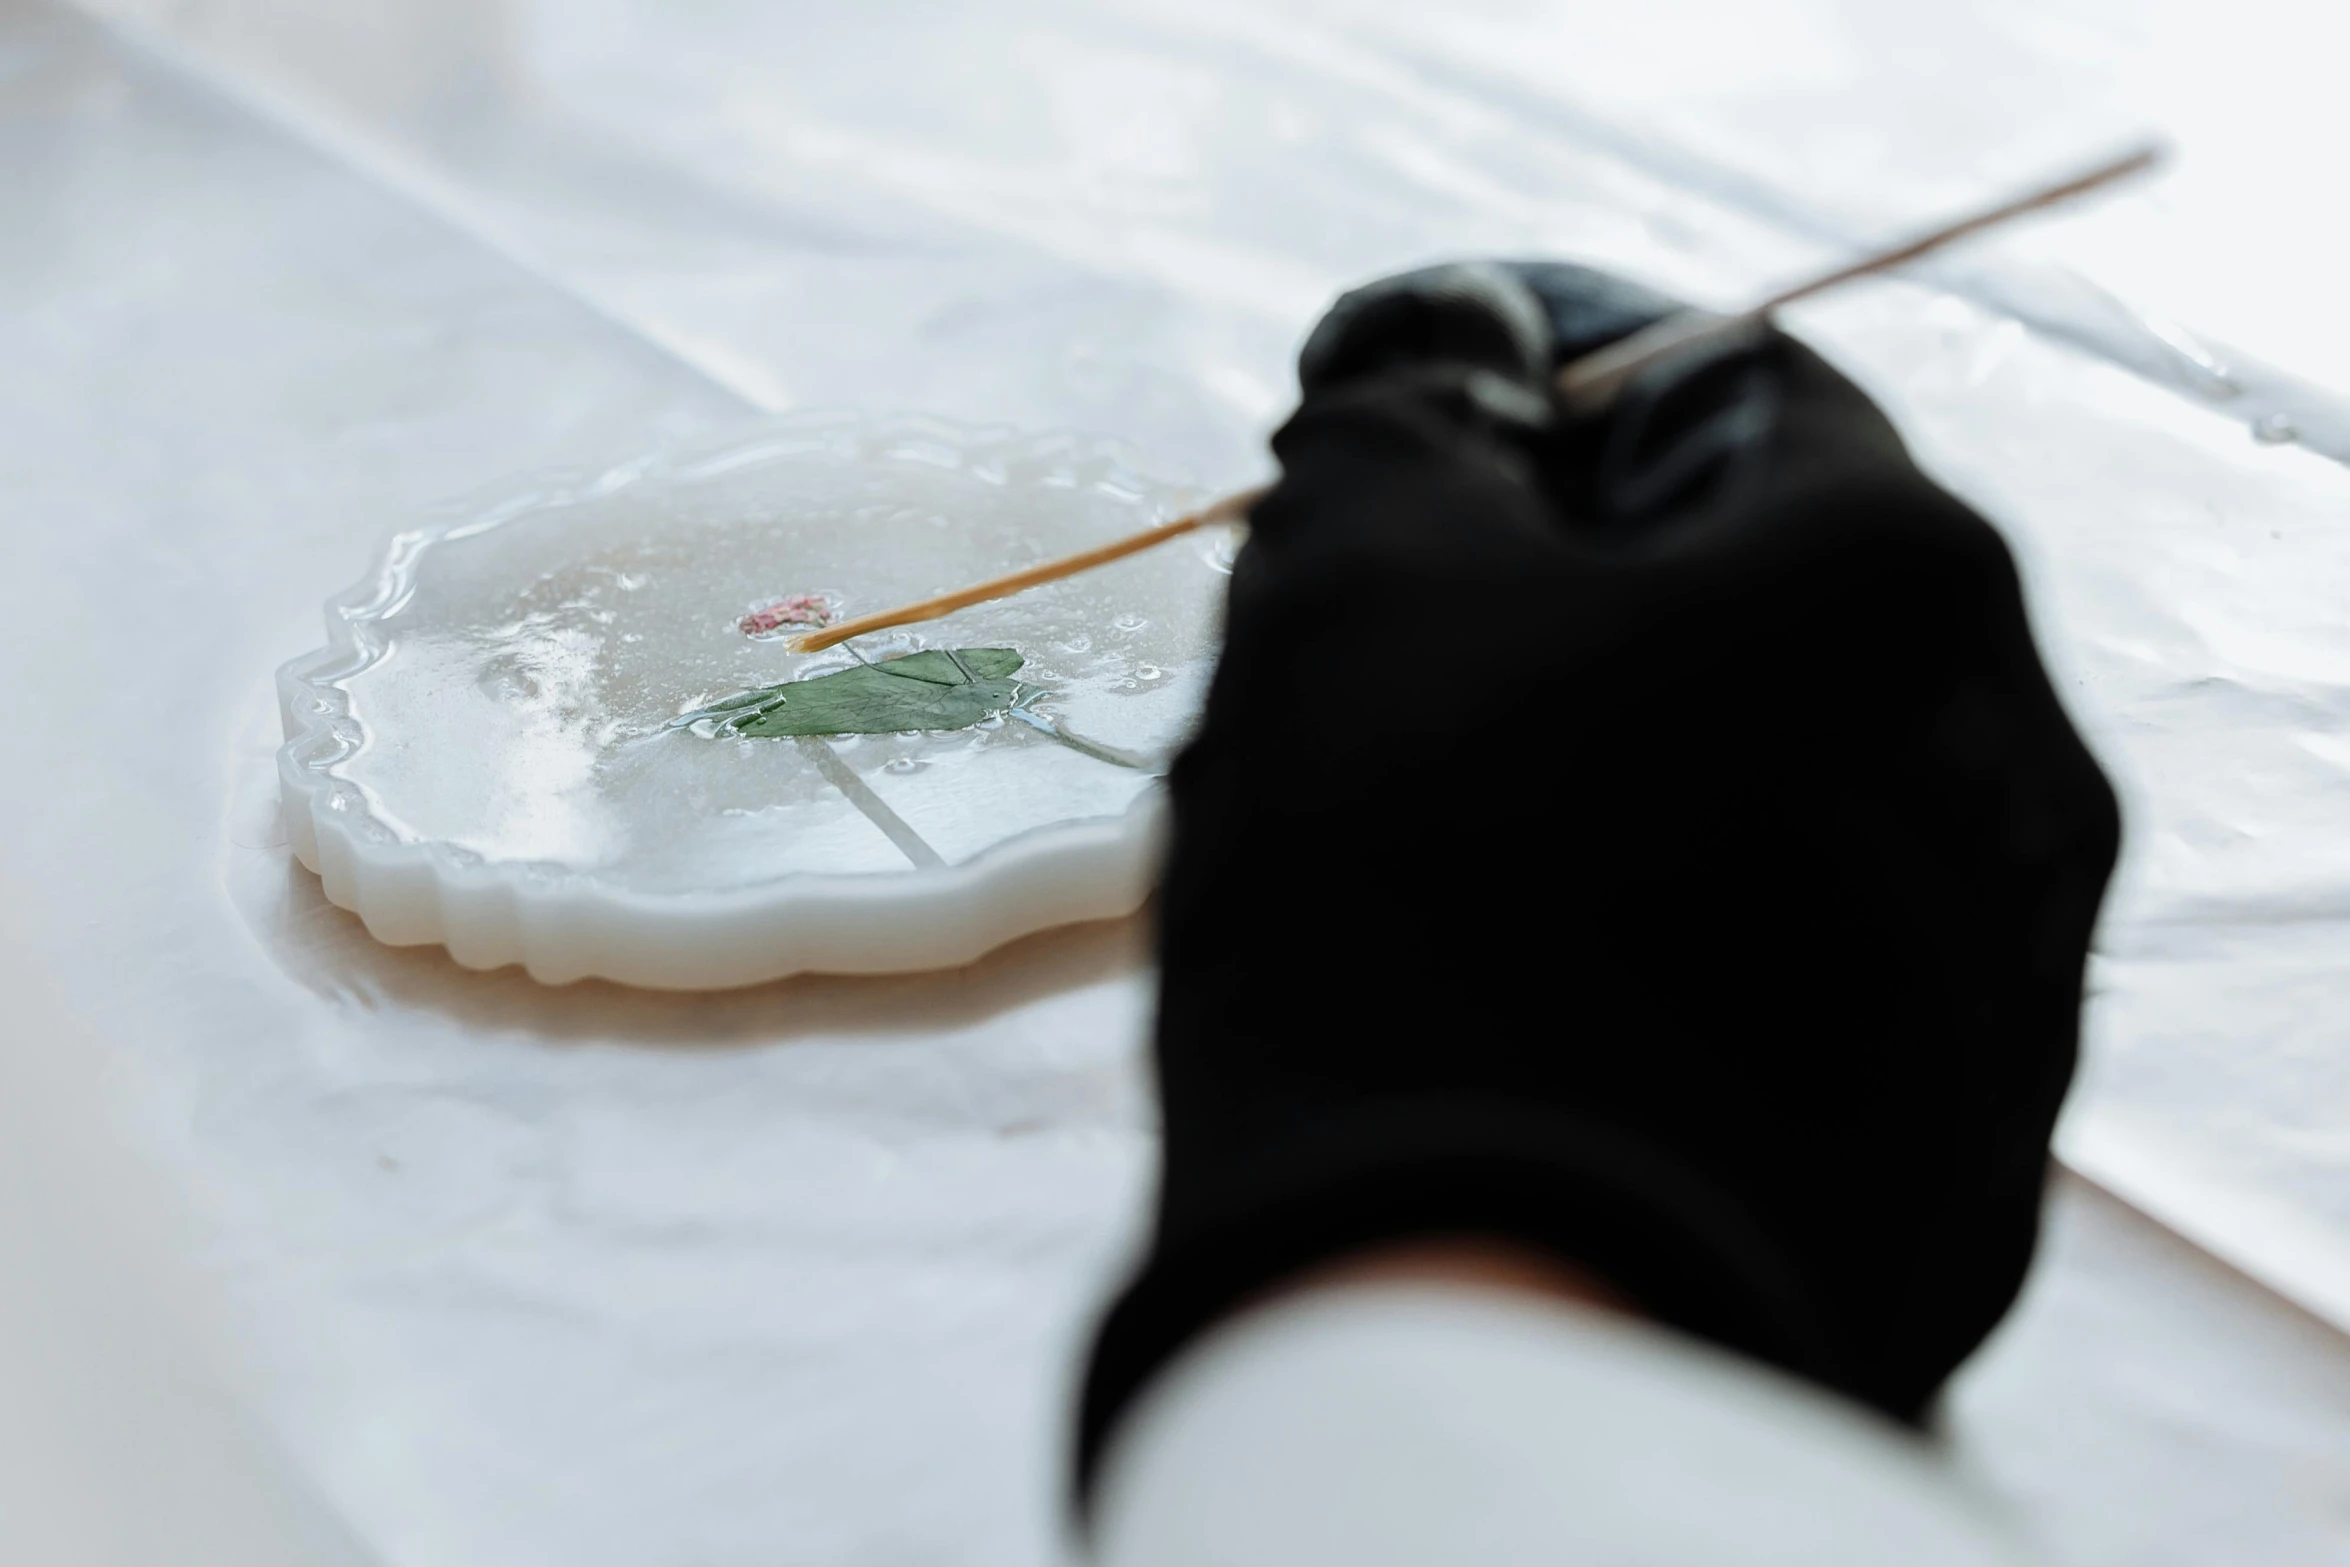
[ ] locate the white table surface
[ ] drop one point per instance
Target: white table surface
(795, 1274)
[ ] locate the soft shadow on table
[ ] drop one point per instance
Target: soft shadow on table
(328, 951)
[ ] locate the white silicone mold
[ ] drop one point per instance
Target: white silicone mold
(483, 755)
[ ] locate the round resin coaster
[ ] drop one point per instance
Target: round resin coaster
(565, 729)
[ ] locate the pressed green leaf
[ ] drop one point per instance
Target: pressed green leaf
(941, 669)
(932, 690)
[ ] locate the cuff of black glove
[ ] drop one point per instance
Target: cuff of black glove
(1680, 1249)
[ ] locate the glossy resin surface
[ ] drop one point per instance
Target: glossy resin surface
(488, 754)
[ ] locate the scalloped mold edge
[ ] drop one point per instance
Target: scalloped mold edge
(561, 925)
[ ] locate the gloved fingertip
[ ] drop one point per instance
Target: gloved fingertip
(1473, 315)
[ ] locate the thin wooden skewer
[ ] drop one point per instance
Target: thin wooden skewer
(1232, 508)
(1586, 386)
(1591, 382)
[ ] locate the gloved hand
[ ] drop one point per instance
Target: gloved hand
(1650, 839)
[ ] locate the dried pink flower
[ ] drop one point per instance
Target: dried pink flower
(797, 609)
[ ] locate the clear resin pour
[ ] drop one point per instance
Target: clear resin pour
(498, 751)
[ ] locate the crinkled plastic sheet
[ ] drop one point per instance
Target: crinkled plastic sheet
(1121, 217)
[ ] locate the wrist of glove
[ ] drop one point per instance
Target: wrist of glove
(1650, 839)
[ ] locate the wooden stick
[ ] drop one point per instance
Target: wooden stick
(1591, 382)
(2135, 162)
(1232, 508)
(1586, 386)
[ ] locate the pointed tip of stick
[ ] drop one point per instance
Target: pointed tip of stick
(1231, 508)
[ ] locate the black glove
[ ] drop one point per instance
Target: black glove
(1650, 839)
